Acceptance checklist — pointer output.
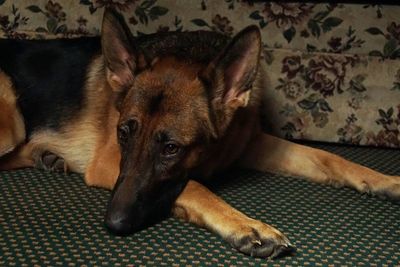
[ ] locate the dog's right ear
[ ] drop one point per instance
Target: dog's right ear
(120, 54)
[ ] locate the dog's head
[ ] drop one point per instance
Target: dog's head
(170, 111)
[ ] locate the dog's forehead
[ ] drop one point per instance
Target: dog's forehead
(168, 97)
(168, 86)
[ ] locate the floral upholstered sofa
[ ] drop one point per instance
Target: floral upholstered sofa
(334, 69)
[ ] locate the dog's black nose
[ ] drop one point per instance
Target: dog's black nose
(118, 225)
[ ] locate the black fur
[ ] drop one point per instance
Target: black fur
(155, 103)
(48, 77)
(147, 210)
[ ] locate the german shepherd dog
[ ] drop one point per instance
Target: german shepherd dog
(151, 116)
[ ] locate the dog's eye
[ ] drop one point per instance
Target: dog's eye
(170, 149)
(125, 129)
(123, 133)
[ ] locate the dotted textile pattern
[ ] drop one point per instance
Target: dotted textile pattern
(52, 219)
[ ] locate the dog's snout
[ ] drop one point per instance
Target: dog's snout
(131, 210)
(118, 224)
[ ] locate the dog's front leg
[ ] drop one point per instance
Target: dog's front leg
(200, 206)
(268, 153)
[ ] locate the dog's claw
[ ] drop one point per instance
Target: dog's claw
(51, 162)
(283, 250)
(268, 248)
(262, 241)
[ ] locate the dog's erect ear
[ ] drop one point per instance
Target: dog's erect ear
(120, 54)
(233, 72)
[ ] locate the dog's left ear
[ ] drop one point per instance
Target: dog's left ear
(232, 73)
(120, 54)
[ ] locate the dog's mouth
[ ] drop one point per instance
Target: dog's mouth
(130, 211)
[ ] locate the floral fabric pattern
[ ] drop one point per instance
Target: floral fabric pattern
(332, 76)
(338, 98)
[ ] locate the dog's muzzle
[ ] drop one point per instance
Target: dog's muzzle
(129, 212)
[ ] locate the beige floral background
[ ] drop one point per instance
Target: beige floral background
(334, 69)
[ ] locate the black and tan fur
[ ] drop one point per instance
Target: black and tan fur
(150, 117)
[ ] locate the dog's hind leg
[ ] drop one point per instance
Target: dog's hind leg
(12, 128)
(21, 157)
(200, 206)
(268, 153)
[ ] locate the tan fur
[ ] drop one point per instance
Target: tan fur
(268, 153)
(200, 206)
(103, 169)
(88, 145)
(12, 128)
(21, 157)
(76, 141)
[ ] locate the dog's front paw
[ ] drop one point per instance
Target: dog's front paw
(260, 240)
(51, 162)
(386, 187)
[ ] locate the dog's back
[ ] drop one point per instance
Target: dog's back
(49, 76)
(57, 87)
